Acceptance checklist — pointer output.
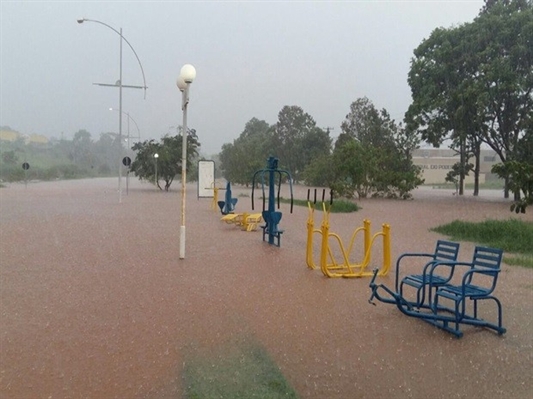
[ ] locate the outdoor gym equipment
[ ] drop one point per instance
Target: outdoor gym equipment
(449, 305)
(227, 206)
(214, 203)
(270, 215)
(247, 221)
(444, 251)
(345, 268)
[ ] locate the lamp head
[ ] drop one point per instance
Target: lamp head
(188, 73)
(181, 83)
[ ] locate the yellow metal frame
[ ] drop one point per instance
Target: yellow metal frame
(214, 203)
(247, 221)
(328, 264)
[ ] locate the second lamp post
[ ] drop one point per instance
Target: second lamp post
(187, 75)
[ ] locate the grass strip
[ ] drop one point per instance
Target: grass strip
(512, 235)
(241, 372)
(339, 206)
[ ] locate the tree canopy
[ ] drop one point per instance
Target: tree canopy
(473, 83)
(295, 140)
(373, 155)
(248, 153)
(168, 164)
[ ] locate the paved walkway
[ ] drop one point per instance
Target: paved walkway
(95, 302)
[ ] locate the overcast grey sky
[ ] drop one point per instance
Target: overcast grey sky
(251, 58)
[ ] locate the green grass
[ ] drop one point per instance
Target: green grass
(242, 371)
(488, 185)
(339, 206)
(525, 261)
(512, 235)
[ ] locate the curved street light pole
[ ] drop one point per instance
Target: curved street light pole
(82, 20)
(129, 145)
(122, 38)
(133, 120)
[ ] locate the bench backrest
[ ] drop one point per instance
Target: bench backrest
(487, 258)
(446, 250)
(486, 262)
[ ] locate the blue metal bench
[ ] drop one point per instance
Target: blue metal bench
(444, 251)
(477, 283)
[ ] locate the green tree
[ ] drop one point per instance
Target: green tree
(295, 140)
(503, 35)
(320, 172)
(9, 157)
(444, 102)
(315, 146)
(82, 151)
(473, 83)
(355, 166)
(373, 155)
(169, 161)
(248, 153)
(109, 150)
(292, 127)
(144, 165)
(368, 125)
(520, 173)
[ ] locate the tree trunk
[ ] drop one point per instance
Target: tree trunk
(517, 195)
(477, 167)
(462, 168)
(506, 188)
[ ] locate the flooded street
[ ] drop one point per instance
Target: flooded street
(95, 302)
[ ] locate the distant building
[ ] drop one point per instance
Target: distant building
(38, 139)
(437, 162)
(11, 135)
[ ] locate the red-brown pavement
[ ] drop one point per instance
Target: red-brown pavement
(95, 302)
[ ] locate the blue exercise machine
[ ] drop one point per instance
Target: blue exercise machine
(442, 303)
(271, 217)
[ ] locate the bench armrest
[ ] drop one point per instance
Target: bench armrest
(451, 264)
(409, 255)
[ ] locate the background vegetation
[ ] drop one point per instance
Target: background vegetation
(241, 370)
(61, 159)
(371, 157)
(168, 164)
(513, 236)
(471, 85)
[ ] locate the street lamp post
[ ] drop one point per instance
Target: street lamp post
(187, 75)
(128, 142)
(120, 86)
(133, 120)
(156, 155)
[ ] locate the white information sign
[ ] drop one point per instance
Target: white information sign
(206, 179)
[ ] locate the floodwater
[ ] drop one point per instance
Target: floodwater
(96, 303)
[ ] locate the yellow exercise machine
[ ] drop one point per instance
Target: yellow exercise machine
(247, 221)
(214, 203)
(333, 268)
